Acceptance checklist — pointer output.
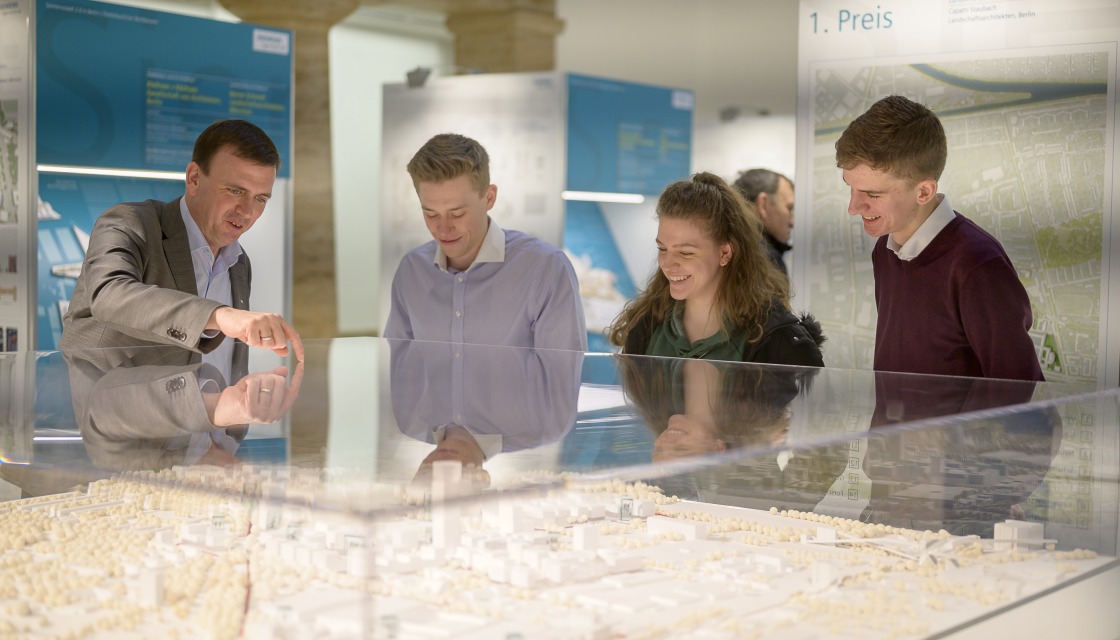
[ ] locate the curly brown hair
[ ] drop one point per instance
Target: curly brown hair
(749, 284)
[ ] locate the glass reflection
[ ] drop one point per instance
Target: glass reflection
(914, 463)
(697, 407)
(964, 478)
(135, 415)
(474, 402)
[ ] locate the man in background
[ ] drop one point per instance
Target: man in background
(771, 193)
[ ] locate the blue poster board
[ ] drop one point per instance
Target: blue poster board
(128, 88)
(625, 137)
(69, 205)
(123, 87)
(622, 137)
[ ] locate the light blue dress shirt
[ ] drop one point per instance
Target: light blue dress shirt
(519, 291)
(211, 279)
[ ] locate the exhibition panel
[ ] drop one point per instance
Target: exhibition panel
(389, 489)
(115, 113)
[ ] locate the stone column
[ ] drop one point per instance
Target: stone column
(499, 36)
(314, 291)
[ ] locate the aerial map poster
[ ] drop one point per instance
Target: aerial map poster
(1027, 95)
(1028, 101)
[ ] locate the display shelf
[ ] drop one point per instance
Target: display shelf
(417, 490)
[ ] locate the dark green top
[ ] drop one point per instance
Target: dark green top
(785, 339)
(669, 339)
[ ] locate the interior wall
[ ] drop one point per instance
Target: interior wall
(373, 47)
(198, 8)
(722, 148)
(377, 45)
(746, 142)
(732, 53)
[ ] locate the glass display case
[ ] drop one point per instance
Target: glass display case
(389, 489)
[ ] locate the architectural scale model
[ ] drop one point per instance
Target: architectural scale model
(227, 553)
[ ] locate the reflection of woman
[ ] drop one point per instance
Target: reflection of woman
(697, 408)
(715, 295)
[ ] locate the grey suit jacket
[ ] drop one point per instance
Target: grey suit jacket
(137, 291)
(139, 417)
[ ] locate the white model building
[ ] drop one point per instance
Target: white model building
(185, 554)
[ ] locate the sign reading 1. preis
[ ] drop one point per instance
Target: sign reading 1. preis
(849, 21)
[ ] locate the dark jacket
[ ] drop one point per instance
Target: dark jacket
(786, 339)
(776, 249)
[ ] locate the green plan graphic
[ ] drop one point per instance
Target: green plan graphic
(1028, 146)
(9, 157)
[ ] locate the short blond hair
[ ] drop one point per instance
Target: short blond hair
(447, 156)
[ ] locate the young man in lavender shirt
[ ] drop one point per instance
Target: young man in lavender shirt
(476, 283)
(948, 297)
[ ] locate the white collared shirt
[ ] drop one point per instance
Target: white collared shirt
(211, 279)
(938, 220)
(493, 248)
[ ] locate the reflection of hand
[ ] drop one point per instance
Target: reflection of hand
(256, 329)
(458, 444)
(258, 398)
(218, 457)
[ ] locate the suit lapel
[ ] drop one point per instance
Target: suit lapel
(240, 275)
(176, 247)
(239, 282)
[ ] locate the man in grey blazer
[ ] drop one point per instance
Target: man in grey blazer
(173, 273)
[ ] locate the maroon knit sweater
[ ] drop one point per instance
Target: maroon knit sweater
(956, 309)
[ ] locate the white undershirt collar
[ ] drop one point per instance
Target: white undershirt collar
(940, 218)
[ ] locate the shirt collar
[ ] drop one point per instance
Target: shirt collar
(493, 248)
(942, 215)
(678, 337)
(227, 255)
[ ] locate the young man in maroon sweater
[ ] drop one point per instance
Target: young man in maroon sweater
(948, 297)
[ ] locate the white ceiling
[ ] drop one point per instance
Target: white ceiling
(740, 53)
